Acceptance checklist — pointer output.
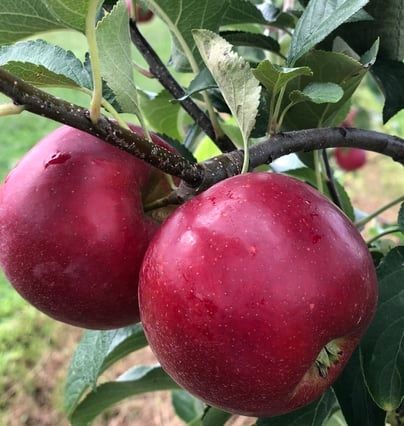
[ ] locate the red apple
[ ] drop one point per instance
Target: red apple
(72, 228)
(254, 294)
(350, 159)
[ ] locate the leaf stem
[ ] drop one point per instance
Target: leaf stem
(246, 161)
(383, 234)
(95, 106)
(318, 169)
(274, 118)
(283, 115)
(108, 107)
(11, 109)
(271, 114)
(367, 219)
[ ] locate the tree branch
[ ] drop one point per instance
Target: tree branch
(160, 71)
(226, 165)
(196, 177)
(44, 104)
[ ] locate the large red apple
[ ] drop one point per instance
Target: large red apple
(255, 293)
(72, 228)
(350, 159)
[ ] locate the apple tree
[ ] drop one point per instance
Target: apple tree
(259, 290)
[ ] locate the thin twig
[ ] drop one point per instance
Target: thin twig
(160, 71)
(330, 181)
(384, 234)
(379, 211)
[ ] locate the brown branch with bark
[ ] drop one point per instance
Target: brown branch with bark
(160, 71)
(196, 177)
(42, 103)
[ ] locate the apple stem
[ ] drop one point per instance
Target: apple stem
(95, 106)
(10, 109)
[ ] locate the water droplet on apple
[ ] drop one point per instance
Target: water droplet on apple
(316, 238)
(58, 158)
(252, 250)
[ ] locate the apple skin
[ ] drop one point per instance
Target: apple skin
(350, 159)
(243, 286)
(72, 229)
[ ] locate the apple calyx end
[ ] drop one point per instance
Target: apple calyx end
(329, 356)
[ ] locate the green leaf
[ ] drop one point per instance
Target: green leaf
(215, 417)
(203, 81)
(274, 77)
(243, 38)
(315, 414)
(182, 16)
(319, 19)
(390, 76)
(136, 381)
(242, 12)
(97, 351)
(401, 218)
(387, 25)
(23, 18)
(278, 18)
(356, 403)
(308, 175)
(383, 345)
(187, 407)
(318, 93)
(360, 15)
(114, 43)
(70, 13)
(233, 75)
(42, 64)
(327, 67)
(337, 419)
(162, 113)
